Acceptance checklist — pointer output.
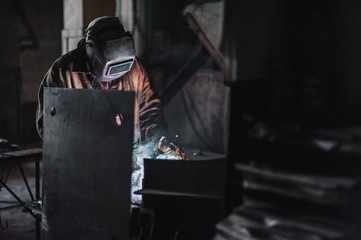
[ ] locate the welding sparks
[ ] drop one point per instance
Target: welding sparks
(169, 156)
(141, 151)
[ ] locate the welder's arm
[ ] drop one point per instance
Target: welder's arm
(153, 125)
(169, 146)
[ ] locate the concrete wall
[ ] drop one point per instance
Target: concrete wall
(78, 14)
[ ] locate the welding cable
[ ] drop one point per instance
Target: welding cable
(198, 134)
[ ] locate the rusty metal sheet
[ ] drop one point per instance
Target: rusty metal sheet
(87, 154)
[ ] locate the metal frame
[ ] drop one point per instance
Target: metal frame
(18, 156)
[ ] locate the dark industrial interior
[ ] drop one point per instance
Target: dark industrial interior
(262, 95)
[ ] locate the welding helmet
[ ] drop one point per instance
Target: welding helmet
(109, 48)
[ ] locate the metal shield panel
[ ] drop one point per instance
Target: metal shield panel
(87, 154)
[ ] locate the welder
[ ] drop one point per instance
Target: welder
(105, 59)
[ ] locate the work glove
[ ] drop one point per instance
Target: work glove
(170, 149)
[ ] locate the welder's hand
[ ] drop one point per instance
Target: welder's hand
(170, 148)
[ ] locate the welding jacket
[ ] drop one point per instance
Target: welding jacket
(72, 71)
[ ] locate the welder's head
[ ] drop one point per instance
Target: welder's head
(109, 48)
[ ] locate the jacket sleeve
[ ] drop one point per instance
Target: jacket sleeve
(151, 116)
(51, 79)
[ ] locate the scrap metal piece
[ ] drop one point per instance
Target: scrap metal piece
(315, 188)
